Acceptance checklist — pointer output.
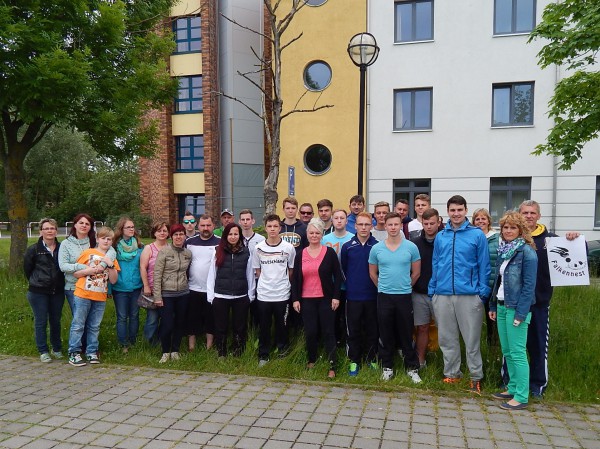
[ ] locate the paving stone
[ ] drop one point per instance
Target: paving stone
(250, 443)
(107, 440)
(365, 443)
(41, 444)
(563, 442)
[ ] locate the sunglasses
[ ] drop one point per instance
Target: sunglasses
(189, 221)
(306, 213)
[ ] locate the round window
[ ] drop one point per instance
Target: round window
(315, 2)
(317, 75)
(317, 159)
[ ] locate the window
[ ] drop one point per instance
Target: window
(315, 2)
(412, 109)
(413, 21)
(317, 159)
(196, 204)
(597, 214)
(189, 94)
(190, 153)
(514, 16)
(512, 104)
(188, 35)
(317, 75)
(507, 194)
(407, 189)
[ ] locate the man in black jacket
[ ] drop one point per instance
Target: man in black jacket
(422, 305)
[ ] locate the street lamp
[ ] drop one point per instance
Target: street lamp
(363, 51)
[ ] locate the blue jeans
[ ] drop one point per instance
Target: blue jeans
(88, 316)
(46, 307)
(70, 295)
(127, 310)
(151, 325)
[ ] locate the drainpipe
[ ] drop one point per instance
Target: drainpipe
(554, 167)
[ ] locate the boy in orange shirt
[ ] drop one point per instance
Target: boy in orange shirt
(90, 297)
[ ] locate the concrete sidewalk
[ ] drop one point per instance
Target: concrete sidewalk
(58, 406)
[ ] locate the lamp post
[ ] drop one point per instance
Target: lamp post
(363, 51)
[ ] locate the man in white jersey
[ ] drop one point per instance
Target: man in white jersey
(273, 260)
(200, 315)
(251, 239)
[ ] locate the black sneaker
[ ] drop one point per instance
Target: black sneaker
(76, 360)
(93, 359)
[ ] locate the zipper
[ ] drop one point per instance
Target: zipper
(453, 245)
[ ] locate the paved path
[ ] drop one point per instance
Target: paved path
(57, 406)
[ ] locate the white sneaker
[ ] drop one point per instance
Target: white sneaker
(165, 358)
(414, 376)
(388, 373)
(262, 362)
(45, 358)
(175, 356)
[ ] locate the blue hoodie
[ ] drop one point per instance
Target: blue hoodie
(461, 262)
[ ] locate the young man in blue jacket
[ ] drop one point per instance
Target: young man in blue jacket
(458, 288)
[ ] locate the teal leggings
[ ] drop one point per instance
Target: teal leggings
(513, 340)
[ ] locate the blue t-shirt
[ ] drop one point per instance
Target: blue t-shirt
(394, 266)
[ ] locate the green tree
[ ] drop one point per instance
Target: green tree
(91, 65)
(572, 28)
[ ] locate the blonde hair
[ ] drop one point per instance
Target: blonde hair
(515, 218)
(317, 224)
(482, 211)
(105, 231)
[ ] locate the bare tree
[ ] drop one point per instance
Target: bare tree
(267, 78)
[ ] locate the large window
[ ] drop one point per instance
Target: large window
(413, 21)
(512, 104)
(189, 94)
(514, 16)
(507, 194)
(188, 34)
(196, 204)
(317, 159)
(407, 189)
(597, 215)
(412, 109)
(190, 153)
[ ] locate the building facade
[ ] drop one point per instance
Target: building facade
(457, 106)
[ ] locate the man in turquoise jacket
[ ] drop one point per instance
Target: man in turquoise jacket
(458, 288)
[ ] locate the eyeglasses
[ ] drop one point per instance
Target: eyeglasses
(128, 227)
(192, 221)
(303, 212)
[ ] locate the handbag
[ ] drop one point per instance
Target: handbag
(146, 301)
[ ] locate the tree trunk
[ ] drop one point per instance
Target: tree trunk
(14, 188)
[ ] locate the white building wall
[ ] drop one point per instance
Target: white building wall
(462, 151)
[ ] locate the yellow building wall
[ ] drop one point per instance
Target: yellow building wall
(326, 29)
(187, 124)
(188, 183)
(186, 64)
(185, 7)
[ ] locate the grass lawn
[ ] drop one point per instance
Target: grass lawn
(573, 359)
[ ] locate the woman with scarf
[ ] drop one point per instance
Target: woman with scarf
(128, 287)
(512, 297)
(230, 286)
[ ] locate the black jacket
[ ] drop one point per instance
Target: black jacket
(231, 277)
(426, 252)
(41, 269)
(330, 274)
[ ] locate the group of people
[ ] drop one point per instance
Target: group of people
(369, 281)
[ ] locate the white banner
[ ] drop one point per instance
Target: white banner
(567, 260)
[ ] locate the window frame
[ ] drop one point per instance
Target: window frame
(597, 209)
(414, 22)
(409, 192)
(193, 156)
(190, 99)
(413, 109)
(510, 189)
(513, 20)
(197, 206)
(188, 39)
(511, 113)
(310, 171)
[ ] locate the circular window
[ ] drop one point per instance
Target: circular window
(315, 2)
(317, 159)
(317, 75)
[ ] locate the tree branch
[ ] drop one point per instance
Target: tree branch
(295, 111)
(251, 81)
(235, 22)
(283, 47)
(251, 109)
(42, 133)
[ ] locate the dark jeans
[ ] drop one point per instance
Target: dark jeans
(172, 319)
(46, 308)
(239, 321)
(317, 315)
(267, 313)
(395, 317)
(199, 317)
(361, 321)
(340, 319)
(70, 295)
(128, 316)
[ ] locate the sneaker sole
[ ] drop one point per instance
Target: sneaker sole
(77, 364)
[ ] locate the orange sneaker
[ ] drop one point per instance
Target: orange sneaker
(475, 387)
(451, 380)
